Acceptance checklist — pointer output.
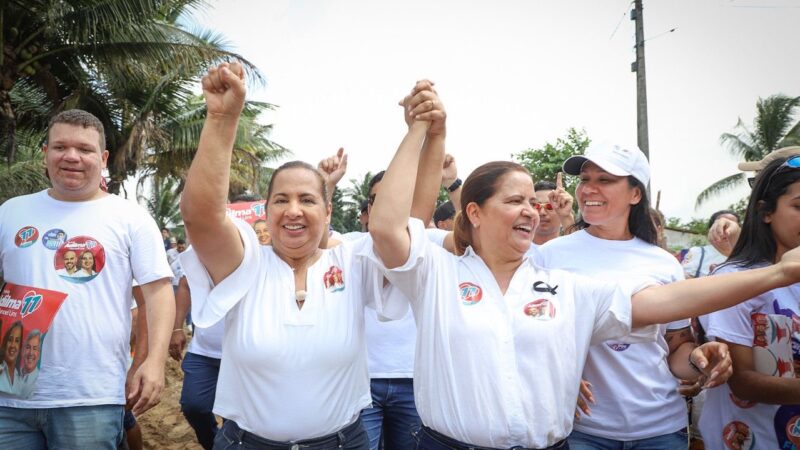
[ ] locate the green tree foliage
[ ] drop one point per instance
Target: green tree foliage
(775, 126)
(545, 162)
(163, 205)
(344, 218)
(130, 62)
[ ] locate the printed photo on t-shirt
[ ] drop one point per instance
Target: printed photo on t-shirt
(80, 259)
(53, 239)
(26, 313)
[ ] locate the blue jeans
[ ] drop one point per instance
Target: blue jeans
(673, 441)
(200, 375)
(428, 439)
(76, 427)
(393, 416)
(351, 437)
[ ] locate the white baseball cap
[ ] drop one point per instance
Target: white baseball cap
(613, 158)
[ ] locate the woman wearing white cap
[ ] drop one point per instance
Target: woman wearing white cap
(501, 342)
(635, 386)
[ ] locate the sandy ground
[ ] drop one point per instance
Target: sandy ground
(164, 427)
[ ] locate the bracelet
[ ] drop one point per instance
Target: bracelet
(181, 329)
(694, 366)
(456, 184)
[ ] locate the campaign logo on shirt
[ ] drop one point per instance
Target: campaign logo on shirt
(787, 426)
(26, 236)
(540, 309)
(470, 293)
(80, 259)
(333, 279)
(54, 238)
(773, 352)
(737, 436)
(744, 404)
(617, 346)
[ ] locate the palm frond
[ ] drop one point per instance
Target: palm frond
(720, 186)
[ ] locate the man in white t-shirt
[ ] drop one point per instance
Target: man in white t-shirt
(80, 390)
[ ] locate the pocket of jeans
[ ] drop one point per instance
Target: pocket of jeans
(222, 441)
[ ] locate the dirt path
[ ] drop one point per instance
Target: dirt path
(164, 427)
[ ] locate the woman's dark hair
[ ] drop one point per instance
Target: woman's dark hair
(299, 165)
(756, 242)
(640, 224)
(479, 186)
(7, 337)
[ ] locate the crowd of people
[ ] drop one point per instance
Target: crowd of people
(499, 319)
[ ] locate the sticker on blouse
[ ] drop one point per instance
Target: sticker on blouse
(540, 309)
(617, 346)
(470, 293)
(52, 239)
(744, 404)
(26, 236)
(787, 426)
(333, 279)
(79, 260)
(737, 436)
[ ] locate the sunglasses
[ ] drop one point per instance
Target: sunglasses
(792, 163)
(541, 206)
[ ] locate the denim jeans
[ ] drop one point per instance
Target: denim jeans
(200, 375)
(76, 427)
(393, 416)
(673, 441)
(351, 437)
(428, 439)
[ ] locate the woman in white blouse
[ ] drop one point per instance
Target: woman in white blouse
(501, 343)
(294, 371)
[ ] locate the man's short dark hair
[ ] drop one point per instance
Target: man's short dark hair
(445, 211)
(81, 118)
(246, 198)
(181, 241)
(544, 185)
(723, 212)
(364, 206)
(375, 180)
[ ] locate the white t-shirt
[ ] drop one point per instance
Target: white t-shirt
(86, 350)
(286, 373)
(500, 370)
(710, 257)
(391, 344)
(207, 341)
(727, 420)
(635, 390)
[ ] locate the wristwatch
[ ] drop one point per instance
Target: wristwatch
(456, 184)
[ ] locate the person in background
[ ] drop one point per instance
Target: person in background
(701, 261)
(554, 205)
(363, 216)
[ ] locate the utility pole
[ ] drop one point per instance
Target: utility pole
(641, 83)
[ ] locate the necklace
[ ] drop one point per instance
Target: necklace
(300, 298)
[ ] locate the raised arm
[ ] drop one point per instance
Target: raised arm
(389, 215)
(213, 235)
(698, 296)
(426, 186)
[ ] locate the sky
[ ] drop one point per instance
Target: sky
(514, 74)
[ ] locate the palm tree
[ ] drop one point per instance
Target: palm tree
(172, 151)
(772, 129)
(98, 55)
(163, 204)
